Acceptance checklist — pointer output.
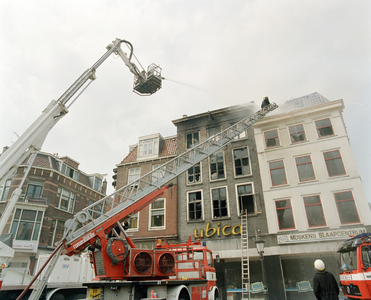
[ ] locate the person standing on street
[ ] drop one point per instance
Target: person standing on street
(325, 286)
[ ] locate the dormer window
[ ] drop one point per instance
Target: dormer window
(67, 170)
(149, 146)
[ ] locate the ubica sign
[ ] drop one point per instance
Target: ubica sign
(225, 230)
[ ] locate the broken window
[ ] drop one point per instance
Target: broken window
(217, 166)
(271, 138)
(297, 133)
(219, 201)
(324, 127)
(192, 139)
(194, 174)
(246, 199)
(241, 162)
(284, 214)
(195, 206)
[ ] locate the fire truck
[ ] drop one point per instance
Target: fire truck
(122, 271)
(355, 267)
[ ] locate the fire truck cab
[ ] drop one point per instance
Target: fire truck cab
(355, 267)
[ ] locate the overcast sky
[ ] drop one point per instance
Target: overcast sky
(213, 54)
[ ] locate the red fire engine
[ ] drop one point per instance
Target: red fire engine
(355, 267)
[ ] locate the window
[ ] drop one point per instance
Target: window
(195, 206)
(157, 214)
(334, 163)
(56, 232)
(297, 133)
(148, 147)
(284, 214)
(313, 208)
(192, 139)
(271, 138)
(96, 183)
(277, 171)
(95, 211)
(194, 174)
(67, 170)
(305, 168)
(346, 207)
(66, 200)
(133, 222)
(246, 198)
(4, 190)
(134, 174)
(324, 128)
(156, 175)
(219, 202)
(34, 189)
(26, 224)
(242, 135)
(217, 166)
(213, 131)
(241, 162)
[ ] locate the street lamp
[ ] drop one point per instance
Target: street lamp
(260, 247)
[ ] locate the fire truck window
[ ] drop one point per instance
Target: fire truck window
(198, 255)
(209, 259)
(349, 260)
(366, 251)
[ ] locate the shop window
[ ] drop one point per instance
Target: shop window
(26, 224)
(297, 133)
(195, 206)
(278, 175)
(305, 168)
(324, 128)
(217, 166)
(246, 199)
(313, 208)
(157, 214)
(346, 207)
(56, 232)
(334, 163)
(219, 202)
(271, 138)
(66, 200)
(192, 139)
(285, 215)
(4, 190)
(34, 189)
(241, 162)
(194, 174)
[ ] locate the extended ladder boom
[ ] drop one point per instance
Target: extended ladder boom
(79, 230)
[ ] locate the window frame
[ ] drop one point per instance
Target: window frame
(200, 174)
(341, 218)
(201, 201)
(34, 183)
(303, 164)
(297, 133)
(34, 222)
(226, 201)
(239, 208)
(53, 241)
(134, 228)
(249, 162)
(151, 209)
(152, 146)
(193, 143)
(70, 209)
(284, 172)
(319, 203)
(322, 127)
(135, 176)
(276, 138)
(333, 160)
(67, 169)
(4, 190)
(217, 164)
(286, 207)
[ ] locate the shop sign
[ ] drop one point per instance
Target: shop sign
(319, 236)
(225, 230)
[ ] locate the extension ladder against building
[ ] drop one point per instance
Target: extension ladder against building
(245, 270)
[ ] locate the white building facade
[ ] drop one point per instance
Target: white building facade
(313, 194)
